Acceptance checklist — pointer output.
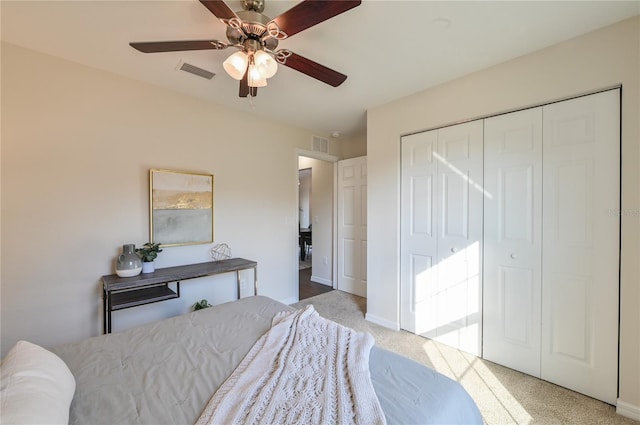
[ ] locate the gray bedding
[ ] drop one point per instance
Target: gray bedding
(166, 372)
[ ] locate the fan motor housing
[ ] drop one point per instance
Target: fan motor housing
(257, 5)
(254, 25)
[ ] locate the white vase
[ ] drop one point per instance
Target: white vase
(148, 267)
(128, 263)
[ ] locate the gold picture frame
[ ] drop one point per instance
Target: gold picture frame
(180, 207)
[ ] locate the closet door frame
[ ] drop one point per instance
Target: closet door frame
(553, 357)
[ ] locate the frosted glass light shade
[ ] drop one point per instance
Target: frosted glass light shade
(265, 63)
(236, 65)
(254, 78)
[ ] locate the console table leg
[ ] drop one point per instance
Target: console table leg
(255, 281)
(238, 282)
(106, 299)
(104, 312)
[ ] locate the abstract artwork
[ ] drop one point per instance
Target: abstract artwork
(181, 207)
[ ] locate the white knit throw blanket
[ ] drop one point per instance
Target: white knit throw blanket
(304, 370)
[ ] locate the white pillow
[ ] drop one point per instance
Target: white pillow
(36, 386)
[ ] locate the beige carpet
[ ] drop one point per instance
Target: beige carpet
(503, 395)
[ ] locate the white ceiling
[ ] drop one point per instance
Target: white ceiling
(389, 49)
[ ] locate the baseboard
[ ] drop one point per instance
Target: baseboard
(382, 322)
(290, 301)
(321, 280)
(628, 410)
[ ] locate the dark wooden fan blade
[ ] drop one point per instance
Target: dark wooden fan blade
(311, 12)
(245, 90)
(219, 8)
(315, 70)
(178, 46)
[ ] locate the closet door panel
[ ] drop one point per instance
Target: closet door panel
(515, 299)
(454, 206)
(418, 251)
(581, 244)
(459, 311)
(513, 239)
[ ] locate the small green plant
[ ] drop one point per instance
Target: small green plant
(201, 304)
(149, 251)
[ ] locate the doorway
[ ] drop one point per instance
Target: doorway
(316, 176)
(305, 240)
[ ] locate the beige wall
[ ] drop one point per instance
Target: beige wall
(354, 146)
(597, 60)
(77, 145)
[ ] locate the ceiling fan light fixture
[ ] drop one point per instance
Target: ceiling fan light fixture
(265, 63)
(255, 77)
(236, 65)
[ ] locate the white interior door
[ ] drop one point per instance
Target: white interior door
(441, 231)
(352, 226)
(513, 240)
(580, 262)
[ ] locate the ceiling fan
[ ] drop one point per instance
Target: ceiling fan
(256, 37)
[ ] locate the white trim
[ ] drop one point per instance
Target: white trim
(382, 322)
(322, 281)
(334, 235)
(334, 232)
(628, 410)
(295, 225)
(290, 301)
(316, 155)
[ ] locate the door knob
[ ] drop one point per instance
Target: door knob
(454, 249)
(514, 256)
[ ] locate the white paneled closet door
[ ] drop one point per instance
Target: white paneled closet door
(441, 233)
(551, 242)
(460, 209)
(580, 263)
(513, 240)
(418, 222)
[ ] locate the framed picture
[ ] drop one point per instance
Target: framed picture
(181, 207)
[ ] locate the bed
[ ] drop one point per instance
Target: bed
(166, 372)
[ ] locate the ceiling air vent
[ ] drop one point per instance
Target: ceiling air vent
(320, 144)
(192, 69)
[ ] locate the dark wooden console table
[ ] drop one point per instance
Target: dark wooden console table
(125, 292)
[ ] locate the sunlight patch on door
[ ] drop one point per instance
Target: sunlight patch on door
(463, 175)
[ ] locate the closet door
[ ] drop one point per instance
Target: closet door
(460, 206)
(441, 231)
(581, 244)
(419, 249)
(513, 240)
